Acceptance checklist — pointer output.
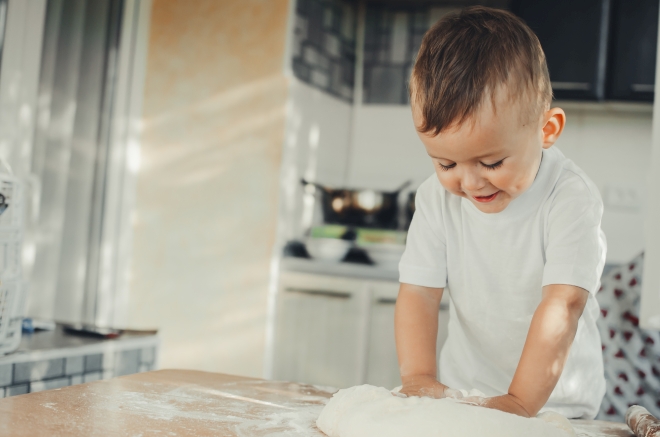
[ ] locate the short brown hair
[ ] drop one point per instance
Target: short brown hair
(469, 54)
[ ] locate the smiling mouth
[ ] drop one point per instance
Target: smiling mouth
(486, 199)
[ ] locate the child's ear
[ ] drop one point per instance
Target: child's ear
(554, 122)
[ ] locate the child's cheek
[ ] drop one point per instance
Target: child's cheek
(513, 182)
(504, 180)
(450, 182)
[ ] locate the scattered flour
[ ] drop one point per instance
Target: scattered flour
(366, 410)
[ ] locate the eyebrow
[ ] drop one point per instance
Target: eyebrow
(489, 155)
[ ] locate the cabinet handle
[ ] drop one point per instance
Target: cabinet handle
(325, 293)
(386, 300)
(392, 301)
(571, 86)
(642, 87)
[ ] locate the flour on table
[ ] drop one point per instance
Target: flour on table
(366, 410)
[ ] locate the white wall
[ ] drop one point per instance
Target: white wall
(207, 188)
(650, 302)
(614, 149)
(385, 149)
(316, 147)
(611, 143)
(316, 144)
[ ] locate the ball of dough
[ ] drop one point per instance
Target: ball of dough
(366, 410)
(559, 421)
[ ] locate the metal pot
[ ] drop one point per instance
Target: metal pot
(368, 208)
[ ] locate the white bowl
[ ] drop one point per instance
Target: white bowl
(385, 255)
(327, 249)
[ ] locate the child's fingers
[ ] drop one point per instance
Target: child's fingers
(452, 393)
(472, 400)
(432, 391)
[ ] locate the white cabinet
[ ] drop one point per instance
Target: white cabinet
(382, 363)
(319, 333)
(383, 366)
(338, 331)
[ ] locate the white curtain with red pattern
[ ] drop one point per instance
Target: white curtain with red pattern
(631, 354)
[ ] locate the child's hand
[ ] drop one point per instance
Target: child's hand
(507, 403)
(427, 386)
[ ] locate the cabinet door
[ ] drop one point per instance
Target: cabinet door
(319, 337)
(633, 50)
(382, 362)
(573, 34)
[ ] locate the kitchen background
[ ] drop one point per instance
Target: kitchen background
(332, 323)
(161, 148)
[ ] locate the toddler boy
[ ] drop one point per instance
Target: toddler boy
(508, 225)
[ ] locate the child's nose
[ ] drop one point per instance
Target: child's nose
(472, 181)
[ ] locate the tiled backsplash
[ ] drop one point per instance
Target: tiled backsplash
(32, 376)
(324, 45)
(54, 359)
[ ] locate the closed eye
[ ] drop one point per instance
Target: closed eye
(494, 166)
(446, 167)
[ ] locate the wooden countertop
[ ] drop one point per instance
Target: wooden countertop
(187, 403)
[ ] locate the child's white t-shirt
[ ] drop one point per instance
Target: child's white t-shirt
(494, 267)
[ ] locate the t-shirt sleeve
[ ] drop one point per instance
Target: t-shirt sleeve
(575, 244)
(424, 262)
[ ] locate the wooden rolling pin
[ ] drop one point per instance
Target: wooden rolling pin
(642, 423)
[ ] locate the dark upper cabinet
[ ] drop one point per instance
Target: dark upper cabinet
(574, 36)
(633, 50)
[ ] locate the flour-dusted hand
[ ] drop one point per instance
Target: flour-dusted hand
(428, 386)
(472, 400)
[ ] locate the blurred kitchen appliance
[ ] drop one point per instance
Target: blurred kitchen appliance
(11, 239)
(360, 207)
(410, 207)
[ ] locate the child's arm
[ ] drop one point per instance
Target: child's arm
(416, 330)
(549, 340)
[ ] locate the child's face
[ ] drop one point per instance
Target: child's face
(495, 159)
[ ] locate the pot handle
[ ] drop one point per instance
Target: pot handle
(314, 184)
(402, 187)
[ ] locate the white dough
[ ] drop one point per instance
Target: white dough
(559, 421)
(463, 393)
(365, 411)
